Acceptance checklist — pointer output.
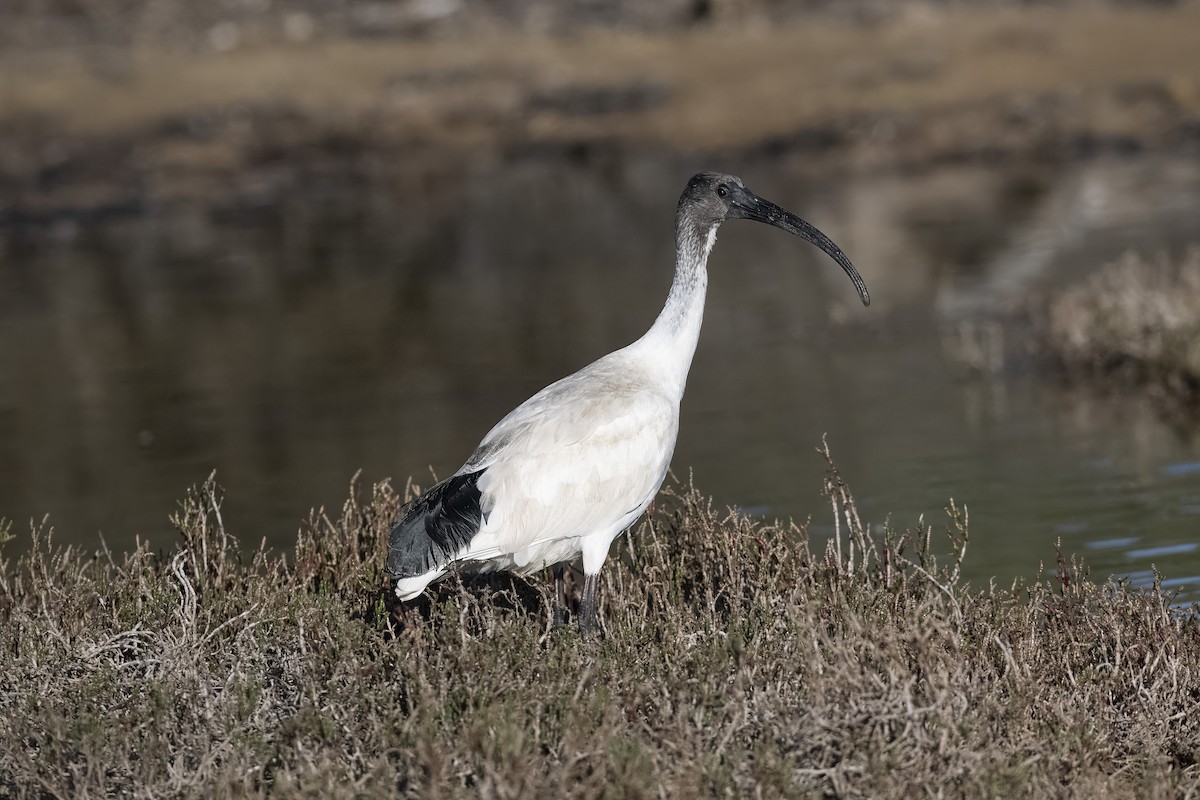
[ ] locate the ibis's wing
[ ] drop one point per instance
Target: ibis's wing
(578, 458)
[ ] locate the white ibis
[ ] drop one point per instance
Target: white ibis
(573, 466)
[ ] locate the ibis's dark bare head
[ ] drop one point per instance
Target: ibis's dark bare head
(710, 198)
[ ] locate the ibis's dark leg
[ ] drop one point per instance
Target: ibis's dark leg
(587, 608)
(560, 594)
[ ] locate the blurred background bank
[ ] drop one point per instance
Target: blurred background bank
(292, 241)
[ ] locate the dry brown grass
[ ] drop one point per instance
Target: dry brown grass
(740, 659)
(1134, 320)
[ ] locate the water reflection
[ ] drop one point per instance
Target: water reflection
(386, 324)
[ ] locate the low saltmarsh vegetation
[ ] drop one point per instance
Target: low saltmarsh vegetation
(1135, 320)
(740, 658)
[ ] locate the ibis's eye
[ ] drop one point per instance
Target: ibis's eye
(722, 190)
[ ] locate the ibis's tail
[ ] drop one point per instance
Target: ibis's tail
(435, 526)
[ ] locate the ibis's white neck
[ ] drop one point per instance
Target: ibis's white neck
(672, 339)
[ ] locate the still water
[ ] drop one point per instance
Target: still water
(383, 322)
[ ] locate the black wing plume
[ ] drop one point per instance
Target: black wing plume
(435, 526)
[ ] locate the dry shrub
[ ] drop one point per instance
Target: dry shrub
(740, 658)
(1134, 318)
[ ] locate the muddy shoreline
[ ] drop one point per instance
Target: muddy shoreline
(111, 130)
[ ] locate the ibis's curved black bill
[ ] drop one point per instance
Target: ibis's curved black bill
(745, 204)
